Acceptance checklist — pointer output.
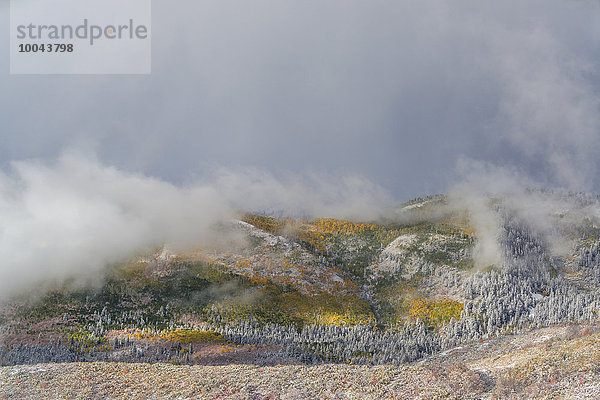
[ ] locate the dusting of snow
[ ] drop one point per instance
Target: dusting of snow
(393, 256)
(269, 239)
(401, 241)
(416, 205)
(541, 339)
(537, 296)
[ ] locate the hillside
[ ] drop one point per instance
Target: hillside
(558, 362)
(402, 289)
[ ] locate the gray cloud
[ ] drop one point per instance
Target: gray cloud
(297, 97)
(391, 91)
(547, 133)
(550, 111)
(72, 217)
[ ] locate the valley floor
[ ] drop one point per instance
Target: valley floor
(561, 362)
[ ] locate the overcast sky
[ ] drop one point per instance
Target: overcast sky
(407, 94)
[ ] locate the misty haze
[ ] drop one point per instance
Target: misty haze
(308, 200)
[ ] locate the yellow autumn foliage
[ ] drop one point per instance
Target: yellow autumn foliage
(434, 312)
(336, 226)
(180, 336)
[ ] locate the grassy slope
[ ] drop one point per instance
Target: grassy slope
(559, 362)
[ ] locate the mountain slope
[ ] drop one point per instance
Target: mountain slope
(325, 290)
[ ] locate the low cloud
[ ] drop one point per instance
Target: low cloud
(70, 218)
(313, 195)
(545, 150)
(555, 216)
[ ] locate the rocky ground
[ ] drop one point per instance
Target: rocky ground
(561, 362)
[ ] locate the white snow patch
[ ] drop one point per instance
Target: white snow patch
(537, 296)
(417, 205)
(401, 241)
(270, 239)
(541, 339)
